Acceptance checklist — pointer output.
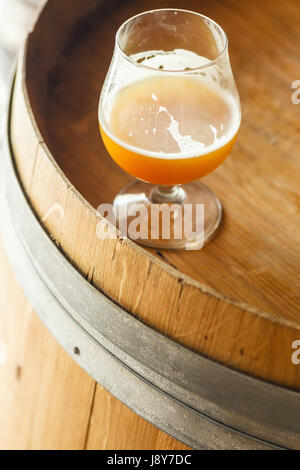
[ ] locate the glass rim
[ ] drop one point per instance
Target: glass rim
(191, 70)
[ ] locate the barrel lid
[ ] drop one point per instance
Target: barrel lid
(235, 301)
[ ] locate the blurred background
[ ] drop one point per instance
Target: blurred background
(16, 17)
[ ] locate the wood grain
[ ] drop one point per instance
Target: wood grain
(47, 399)
(115, 427)
(237, 300)
(45, 396)
(256, 256)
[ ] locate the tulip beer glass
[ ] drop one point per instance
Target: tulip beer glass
(169, 113)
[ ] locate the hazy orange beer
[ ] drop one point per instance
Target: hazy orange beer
(170, 130)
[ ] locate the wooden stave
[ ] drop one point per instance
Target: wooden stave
(277, 334)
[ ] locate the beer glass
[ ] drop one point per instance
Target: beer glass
(169, 114)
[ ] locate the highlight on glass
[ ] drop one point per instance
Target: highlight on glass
(169, 114)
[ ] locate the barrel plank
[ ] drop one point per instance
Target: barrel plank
(46, 398)
(116, 427)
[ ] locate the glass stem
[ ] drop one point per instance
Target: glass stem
(168, 194)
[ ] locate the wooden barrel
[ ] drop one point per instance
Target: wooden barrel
(179, 349)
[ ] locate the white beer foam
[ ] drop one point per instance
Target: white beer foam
(176, 60)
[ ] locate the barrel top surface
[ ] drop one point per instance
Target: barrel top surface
(247, 278)
(255, 257)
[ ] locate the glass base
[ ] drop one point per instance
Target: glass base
(179, 217)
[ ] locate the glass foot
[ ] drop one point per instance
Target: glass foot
(178, 217)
